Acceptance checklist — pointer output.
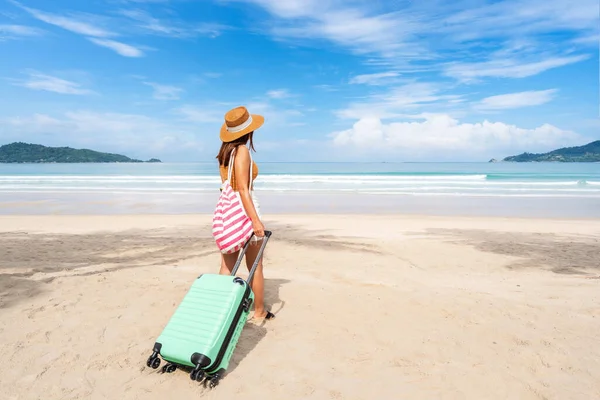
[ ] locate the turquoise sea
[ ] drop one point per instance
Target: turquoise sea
(314, 187)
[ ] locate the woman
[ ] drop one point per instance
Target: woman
(236, 132)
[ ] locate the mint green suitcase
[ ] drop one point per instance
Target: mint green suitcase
(204, 329)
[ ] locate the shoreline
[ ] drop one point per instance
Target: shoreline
(373, 225)
(273, 203)
(307, 214)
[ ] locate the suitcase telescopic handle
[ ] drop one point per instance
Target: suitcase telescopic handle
(258, 256)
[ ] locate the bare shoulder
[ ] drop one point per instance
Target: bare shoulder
(242, 156)
(243, 151)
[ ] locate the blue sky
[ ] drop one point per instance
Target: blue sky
(336, 80)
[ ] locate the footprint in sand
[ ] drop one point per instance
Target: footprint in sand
(33, 312)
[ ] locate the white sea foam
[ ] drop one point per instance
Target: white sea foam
(549, 195)
(381, 184)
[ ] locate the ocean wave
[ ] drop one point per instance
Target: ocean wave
(303, 178)
(368, 178)
(431, 185)
(104, 189)
(120, 178)
(595, 195)
(262, 177)
(270, 180)
(548, 195)
(414, 190)
(418, 184)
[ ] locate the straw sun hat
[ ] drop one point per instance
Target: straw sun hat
(238, 122)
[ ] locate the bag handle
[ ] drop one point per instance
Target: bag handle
(258, 256)
(250, 183)
(231, 165)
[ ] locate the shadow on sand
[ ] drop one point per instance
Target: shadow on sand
(53, 252)
(14, 289)
(561, 254)
(253, 333)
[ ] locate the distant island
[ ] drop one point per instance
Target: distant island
(587, 153)
(20, 152)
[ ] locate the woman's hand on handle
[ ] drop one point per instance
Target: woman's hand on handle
(259, 228)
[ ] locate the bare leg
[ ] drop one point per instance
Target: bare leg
(258, 281)
(257, 284)
(228, 262)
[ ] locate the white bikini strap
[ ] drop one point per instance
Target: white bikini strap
(250, 183)
(230, 167)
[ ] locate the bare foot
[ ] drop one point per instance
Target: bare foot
(263, 314)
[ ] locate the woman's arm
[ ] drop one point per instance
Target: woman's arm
(242, 179)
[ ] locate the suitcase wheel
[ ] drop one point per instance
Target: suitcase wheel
(168, 368)
(197, 375)
(153, 361)
(213, 381)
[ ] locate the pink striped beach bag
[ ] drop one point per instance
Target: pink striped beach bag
(231, 226)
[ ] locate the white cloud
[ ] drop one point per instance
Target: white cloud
(146, 1)
(439, 136)
(9, 15)
(113, 132)
(401, 100)
(171, 27)
(413, 36)
(517, 18)
(388, 34)
(190, 134)
(278, 94)
(516, 100)
(165, 92)
(200, 114)
(86, 25)
(13, 31)
(123, 49)
(295, 8)
(40, 120)
(40, 81)
(83, 24)
(275, 117)
(202, 78)
(591, 40)
(327, 88)
(379, 78)
(507, 68)
(213, 113)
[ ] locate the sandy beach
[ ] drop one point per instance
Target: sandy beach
(367, 307)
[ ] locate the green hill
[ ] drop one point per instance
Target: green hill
(20, 152)
(587, 153)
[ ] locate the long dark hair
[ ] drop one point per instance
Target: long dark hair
(227, 147)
